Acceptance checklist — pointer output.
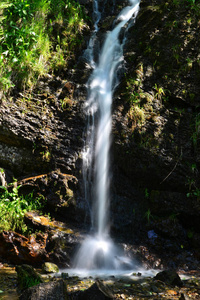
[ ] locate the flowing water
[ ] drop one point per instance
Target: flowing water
(98, 252)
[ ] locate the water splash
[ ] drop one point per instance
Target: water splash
(98, 252)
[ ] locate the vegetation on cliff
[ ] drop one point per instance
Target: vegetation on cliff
(156, 114)
(157, 122)
(37, 38)
(162, 90)
(13, 207)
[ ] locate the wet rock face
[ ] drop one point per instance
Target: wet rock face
(42, 136)
(151, 70)
(60, 197)
(154, 115)
(56, 245)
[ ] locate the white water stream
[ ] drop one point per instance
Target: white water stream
(98, 253)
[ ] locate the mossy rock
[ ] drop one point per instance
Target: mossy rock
(52, 290)
(49, 267)
(27, 277)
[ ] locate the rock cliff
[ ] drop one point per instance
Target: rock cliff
(155, 150)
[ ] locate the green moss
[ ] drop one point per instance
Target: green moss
(27, 277)
(49, 267)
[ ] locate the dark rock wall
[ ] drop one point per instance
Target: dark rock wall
(155, 149)
(156, 123)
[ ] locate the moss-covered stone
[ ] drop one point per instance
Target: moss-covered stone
(49, 267)
(27, 277)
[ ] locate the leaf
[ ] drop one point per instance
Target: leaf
(3, 187)
(14, 60)
(127, 285)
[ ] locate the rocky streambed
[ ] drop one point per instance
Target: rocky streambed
(149, 281)
(169, 286)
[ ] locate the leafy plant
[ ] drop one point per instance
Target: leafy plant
(190, 233)
(194, 193)
(196, 131)
(159, 92)
(13, 208)
(36, 37)
(148, 216)
(27, 277)
(29, 282)
(146, 193)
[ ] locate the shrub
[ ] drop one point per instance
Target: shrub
(34, 36)
(13, 208)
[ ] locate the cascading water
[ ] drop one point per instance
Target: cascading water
(97, 251)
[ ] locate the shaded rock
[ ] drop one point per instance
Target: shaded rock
(57, 245)
(61, 247)
(67, 91)
(61, 241)
(38, 130)
(49, 267)
(58, 189)
(170, 277)
(98, 291)
(27, 277)
(19, 249)
(169, 228)
(53, 290)
(184, 297)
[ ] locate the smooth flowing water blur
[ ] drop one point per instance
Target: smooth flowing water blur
(98, 251)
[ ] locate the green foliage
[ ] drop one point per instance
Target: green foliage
(27, 277)
(159, 92)
(192, 182)
(196, 131)
(148, 216)
(36, 37)
(13, 208)
(190, 233)
(187, 2)
(194, 193)
(29, 282)
(146, 193)
(3, 5)
(135, 97)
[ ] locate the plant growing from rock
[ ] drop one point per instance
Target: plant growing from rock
(37, 37)
(13, 208)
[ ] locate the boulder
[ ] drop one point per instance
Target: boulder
(53, 290)
(170, 277)
(98, 291)
(49, 267)
(27, 277)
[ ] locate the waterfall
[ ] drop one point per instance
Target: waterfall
(97, 250)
